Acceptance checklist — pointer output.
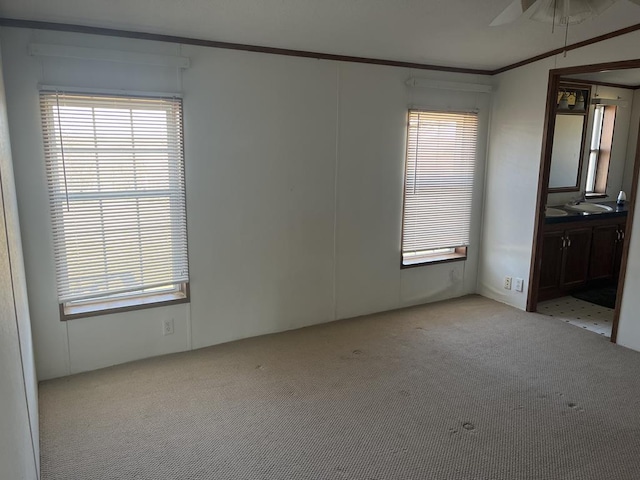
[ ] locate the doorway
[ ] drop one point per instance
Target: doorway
(590, 154)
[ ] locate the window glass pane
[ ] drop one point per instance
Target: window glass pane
(596, 135)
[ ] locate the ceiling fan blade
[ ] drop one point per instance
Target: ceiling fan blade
(514, 11)
(563, 12)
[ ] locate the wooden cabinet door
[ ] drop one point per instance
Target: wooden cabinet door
(617, 261)
(603, 252)
(551, 263)
(575, 268)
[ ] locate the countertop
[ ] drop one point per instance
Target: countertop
(573, 216)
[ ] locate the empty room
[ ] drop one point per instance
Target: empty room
(303, 239)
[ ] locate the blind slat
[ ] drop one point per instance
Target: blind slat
(439, 176)
(115, 169)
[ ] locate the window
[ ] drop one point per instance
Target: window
(115, 170)
(438, 186)
(604, 119)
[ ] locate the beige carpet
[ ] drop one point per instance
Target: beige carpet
(464, 389)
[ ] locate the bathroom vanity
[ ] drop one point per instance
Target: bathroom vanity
(580, 248)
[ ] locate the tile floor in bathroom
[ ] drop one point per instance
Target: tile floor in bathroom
(582, 314)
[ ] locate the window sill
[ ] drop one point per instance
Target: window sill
(458, 256)
(122, 305)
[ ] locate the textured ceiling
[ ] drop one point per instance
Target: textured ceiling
(439, 32)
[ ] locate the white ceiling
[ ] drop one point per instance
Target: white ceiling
(439, 32)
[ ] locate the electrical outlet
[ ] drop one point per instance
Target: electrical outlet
(167, 327)
(519, 284)
(507, 283)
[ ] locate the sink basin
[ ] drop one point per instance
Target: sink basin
(554, 212)
(590, 208)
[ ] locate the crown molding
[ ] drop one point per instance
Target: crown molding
(573, 46)
(111, 32)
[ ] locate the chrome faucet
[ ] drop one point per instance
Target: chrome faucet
(580, 199)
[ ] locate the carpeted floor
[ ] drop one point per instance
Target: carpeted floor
(464, 389)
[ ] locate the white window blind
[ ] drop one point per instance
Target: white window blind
(439, 176)
(115, 170)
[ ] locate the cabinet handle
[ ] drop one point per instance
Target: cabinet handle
(564, 243)
(568, 242)
(621, 235)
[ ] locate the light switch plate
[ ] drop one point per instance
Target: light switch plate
(519, 284)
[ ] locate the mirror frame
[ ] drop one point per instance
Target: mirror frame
(567, 84)
(543, 181)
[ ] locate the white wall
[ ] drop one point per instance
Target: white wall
(370, 154)
(513, 163)
(294, 195)
(19, 450)
(629, 326)
(63, 348)
(634, 125)
(512, 177)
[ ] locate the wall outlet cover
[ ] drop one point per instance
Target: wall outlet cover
(507, 283)
(167, 327)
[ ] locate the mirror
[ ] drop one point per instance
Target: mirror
(568, 138)
(567, 152)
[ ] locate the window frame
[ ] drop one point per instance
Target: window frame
(435, 256)
(182, 294)
(458, 254)
(601, 156)
(176, 293)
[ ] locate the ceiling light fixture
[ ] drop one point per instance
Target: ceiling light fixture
(568, 12)
(555, 12)
(559, 12)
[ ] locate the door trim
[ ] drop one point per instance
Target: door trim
(543, 181)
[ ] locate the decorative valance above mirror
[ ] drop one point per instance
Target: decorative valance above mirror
(567, 157)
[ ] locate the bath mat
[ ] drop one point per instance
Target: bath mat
(603, 296)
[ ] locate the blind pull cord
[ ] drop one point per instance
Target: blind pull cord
(64, 167)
